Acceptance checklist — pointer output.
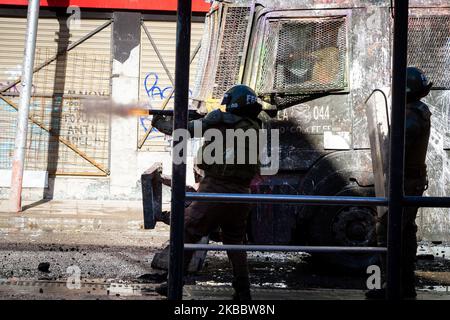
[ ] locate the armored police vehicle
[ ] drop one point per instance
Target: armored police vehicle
(325, 66)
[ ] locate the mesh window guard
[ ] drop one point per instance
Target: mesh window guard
(429, 47)
(301, 56)
(231, 50)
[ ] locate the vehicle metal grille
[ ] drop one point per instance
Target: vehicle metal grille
(231, 50)
(208, 48)
(429, 47)
(303, 56)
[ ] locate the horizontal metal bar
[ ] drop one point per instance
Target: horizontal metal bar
(310, 249)
(192, 114)
(430, 202)
(287, 199)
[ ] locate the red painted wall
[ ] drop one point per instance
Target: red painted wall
(159, 5)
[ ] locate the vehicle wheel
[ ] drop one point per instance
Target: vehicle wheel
(345, 226)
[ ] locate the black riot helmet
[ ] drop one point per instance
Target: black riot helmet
(417, 84)
(242, 101)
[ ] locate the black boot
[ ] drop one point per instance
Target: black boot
(376, 294)
(409, 288)
(162, 289)
(380, 294)
(409, 293)
(409, 282)
(241, 290)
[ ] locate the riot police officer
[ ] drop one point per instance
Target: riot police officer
(417, 133)
(242, 110)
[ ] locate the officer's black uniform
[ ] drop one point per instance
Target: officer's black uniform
(417, 133)
(202, 218)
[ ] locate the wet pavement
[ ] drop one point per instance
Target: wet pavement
(100, 251)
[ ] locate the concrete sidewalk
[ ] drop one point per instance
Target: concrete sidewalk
(88, 222)
(75, 206)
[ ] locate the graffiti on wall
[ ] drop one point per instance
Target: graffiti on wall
(156, 94)
(61, 137)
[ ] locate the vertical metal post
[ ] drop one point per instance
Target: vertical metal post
(396, 151)
(183, 44)
(24, 106)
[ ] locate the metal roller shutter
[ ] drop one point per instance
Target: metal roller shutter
(61, 139)
(155, 84)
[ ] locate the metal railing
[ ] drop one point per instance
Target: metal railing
(308, 249)
(395, 200)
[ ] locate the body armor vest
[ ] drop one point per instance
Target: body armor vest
(230, 168)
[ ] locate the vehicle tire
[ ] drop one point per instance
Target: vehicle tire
(344, 226)
(347, 173)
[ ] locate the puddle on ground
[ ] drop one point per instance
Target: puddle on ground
(128, 290)
(84, 290)
(440, 289)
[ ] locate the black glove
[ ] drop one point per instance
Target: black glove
(157, 119)
(163, 124)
